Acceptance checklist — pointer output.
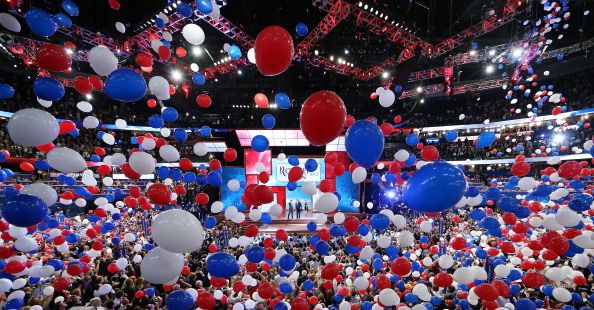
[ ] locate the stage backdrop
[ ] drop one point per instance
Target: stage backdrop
(228, 197)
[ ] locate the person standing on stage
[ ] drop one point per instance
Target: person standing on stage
(291, 208)
(298, 209)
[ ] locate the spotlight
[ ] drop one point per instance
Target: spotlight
(386, 18)
(422, 100)
(419, 89)
(346, 52)
(316, 52)
(196, 50)
(176, 75)
(69, 51)
(517, 52)
(382, 15)
(489, 69)
(472, 52)
(385, 74)
(365, 7)
(391, 194)
(89, 96)
(491, 52)
(239, 72)
(558, 138)
(360, 4)
(331, 58)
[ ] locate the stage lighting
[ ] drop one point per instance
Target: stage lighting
(491, 52)
(69, 51)
(558, 139)
(316, 52)
(196, 50)
(419, 89)
(176, 75)
(391, 194)
(239, 72)
(472, 52)
(365, 7)
(385, 74)
(422, 100)
(517, 52)
(360, 4)
(346, 52)
(331, 58)
(89, 96)
(489, 69)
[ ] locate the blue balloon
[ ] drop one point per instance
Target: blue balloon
(281, 306)
(160, 23)
(301, 29)
(322, 247)
(222, 265)
(411, 160)
(285, 288)
(189, 177)
(205, 131)
(40, 22)
(311, 165)
(23, 210)
(287, 262)
(125, 85)
(169, 114)
(485, 139)
(63, 20)
(451, 135)
(199, 78)
(412, 139)
(48, 89)
(293, 160)
(308, 285)
(179, 300)
(268, 121)
(234, 51)
(525, 304)
(214, 179)
(364, 143)
(204, 6)
(376, 178)
(477, 214)
(435, 187)
(184, 9)
(176, 174)
(210, 222)
(180, 134)
(379, 221)
(254, 254)
(70, 7)
(260, 143)
(163, 172)
(282, 101)
(14, 304)
(312, 226)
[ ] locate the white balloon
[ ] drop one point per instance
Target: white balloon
(326, 203)
(166, 228)
(463, 275)
(122, 263)
(160, 266)
(216, 207)
(233, 185)
(120, 27)
(104, 289)
(425, 226)
(193, 34)
(194, 67)
(339, 218)
(200, 149)
(502, 270)
(562, 294)
(275, 210)
(445, 261)
(141, 162)
(43, 191)
(10, 22)
(159, 87)
(386, 98)
(567, 217)
(44, 103)
(309, 188)
(118, 158)
(215, 14)
(169, 153)
(80, 202)
(25, 244)
(255, 215)
(399, 221)
(259, 167)
(5, 285)
(148, 144)
(165, 132)
(32, 127)
(251, 55)
(384, 241)
(321, 218)
(167, 36)
(155, 44)
(66, 160)
(121, 124)
(48, 291)
(17, 232)
(527, 183)
(401, 155)
(102, 60)
(90, 122)
(361, 283)
(359, 175)
(406, 238)
(388, 297)
(108, 138)
(84, 106)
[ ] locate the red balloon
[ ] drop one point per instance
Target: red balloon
(261, 100)
(151, 103)
(263, 177)
(238, 286)
(144, 59)
(203, 101)
(295, 174)
(67, 126)
(443, 279)
(263, 194)
(532, 279)
(382, 282)
(351, 223)
(206, 300)
(401, 266)
(180, 52)
(458, 243)
(386, 129)
(569, 169)
(252, 230)
(74, 269)
(557, 110)
(397, 119)
(129, 172)
(322, 117)
(159, 194)
(330, 271)
(53, 57)
(269, 253)
(202, 198)
(350, 120)
(61, 284)
(299, 303)
(520, 169)
(96, 81)
(185, 164)
(486, 291)
(266, 290)
(338, 169)
(164, 53)
(114, 4)
(25, 166)
(281, 235)
(330, 158)
(429, 153)
(326, 186)
(83, 85)
(230, 155)
(139, 294)
(274, 50)
(15, 266)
